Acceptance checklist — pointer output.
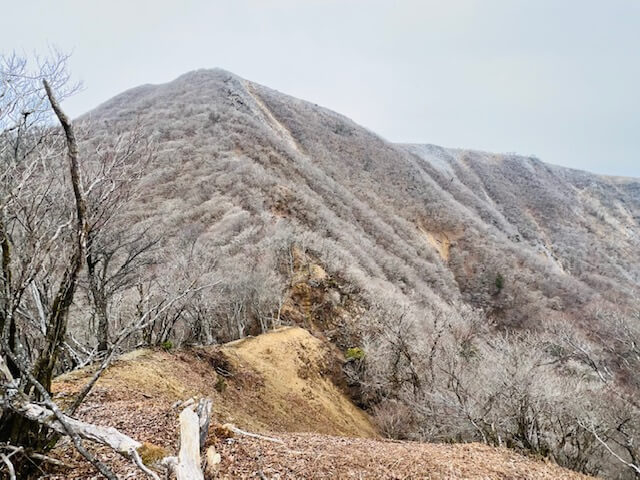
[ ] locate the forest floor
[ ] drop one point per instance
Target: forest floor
(281, 384)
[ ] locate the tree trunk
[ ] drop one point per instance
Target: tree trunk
(14, 428)
(100, 304)
(57, 321)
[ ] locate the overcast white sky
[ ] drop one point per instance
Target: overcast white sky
(556, 78)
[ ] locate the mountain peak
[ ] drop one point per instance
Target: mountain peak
(206, 74)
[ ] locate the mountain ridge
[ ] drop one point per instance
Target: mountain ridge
(219, 71)
(459, 284)
(414, 175)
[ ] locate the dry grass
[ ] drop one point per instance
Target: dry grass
(276, 384)
(277, 381)
(296, 391)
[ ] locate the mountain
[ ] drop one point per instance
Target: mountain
(473, 297)
(244, 168)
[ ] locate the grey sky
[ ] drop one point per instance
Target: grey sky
(556, 78)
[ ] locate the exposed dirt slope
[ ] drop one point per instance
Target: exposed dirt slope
(279, 381)
(298, 393)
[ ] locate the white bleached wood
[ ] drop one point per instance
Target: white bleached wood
(212, 460)
(189, 461)
(109, 436)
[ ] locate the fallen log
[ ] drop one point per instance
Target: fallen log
(109, 436)
(189, 461)
(118, 441)
(204, 418)
(193, 433)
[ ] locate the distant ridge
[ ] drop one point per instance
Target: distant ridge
(563, 236)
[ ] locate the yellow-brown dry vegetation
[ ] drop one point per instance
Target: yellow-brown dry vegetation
(441, 241)
(278, 383)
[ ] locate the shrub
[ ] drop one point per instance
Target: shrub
(354, 353)
(150, 453)
(394, 419)
(221, 384)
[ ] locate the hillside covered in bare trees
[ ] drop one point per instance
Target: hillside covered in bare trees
(243, 171)
(414, 243)
(465, 296)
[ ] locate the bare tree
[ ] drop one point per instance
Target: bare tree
(614, 359)
(116, 253)
(48, 232)
(44, 238)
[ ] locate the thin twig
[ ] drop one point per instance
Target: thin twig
(235, 429)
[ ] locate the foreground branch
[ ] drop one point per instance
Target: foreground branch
(108, 436)
(603, 442)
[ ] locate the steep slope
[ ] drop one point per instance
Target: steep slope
(245, 172)
(583, 225)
